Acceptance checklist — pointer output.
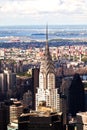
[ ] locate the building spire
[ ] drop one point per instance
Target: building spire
(47, 34)
(47, 46)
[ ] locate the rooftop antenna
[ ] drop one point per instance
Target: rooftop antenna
(47, 34)
(47, 47)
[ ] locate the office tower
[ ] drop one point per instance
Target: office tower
(4, 116)
(85, 98)
(15, 110)
(76, 96)
(19, 67)
(47, 91)
(11, 79)
(0, 66)
(7, 84)
(3, 83)
(24, 83)
(27, 99)
(35, 84)
(64, 94)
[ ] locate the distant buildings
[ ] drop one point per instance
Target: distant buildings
(48, 91)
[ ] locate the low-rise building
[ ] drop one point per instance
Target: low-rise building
(82, 121)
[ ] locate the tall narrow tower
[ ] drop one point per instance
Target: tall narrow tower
(47, 91)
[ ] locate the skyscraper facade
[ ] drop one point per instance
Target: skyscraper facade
(7, 84)
(15, 110)
(11, 79)
(76, 96)
(35, 84)
(27, 99)
(47, 91)
(4, 116)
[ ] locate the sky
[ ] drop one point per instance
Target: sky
(29, 12)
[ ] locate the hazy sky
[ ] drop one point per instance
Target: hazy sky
(27, 12)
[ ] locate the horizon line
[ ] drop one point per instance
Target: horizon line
(44, 25)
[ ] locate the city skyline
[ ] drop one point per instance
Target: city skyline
(28, 12)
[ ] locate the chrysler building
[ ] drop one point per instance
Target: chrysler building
(47, 91)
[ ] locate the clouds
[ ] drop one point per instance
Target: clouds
(36, 6)
(27, 6)
(39, 9)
